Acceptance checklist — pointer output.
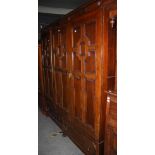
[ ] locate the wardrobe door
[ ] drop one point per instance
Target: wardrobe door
(86, 50)
(57, 65)
(40, 74)
(40, 79)
(64, 65)
(51, 67)
(44, 53)
(45, 57)
(60, 53)
(47, 65)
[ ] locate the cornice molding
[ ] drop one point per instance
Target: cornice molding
(60, 11)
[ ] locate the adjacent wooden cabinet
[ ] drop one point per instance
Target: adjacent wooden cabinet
(76, 72)
(110, 138)
(111, 125)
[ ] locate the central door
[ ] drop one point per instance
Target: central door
(85, 71)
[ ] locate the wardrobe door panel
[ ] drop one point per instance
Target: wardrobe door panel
(58, 79)
(86, 68)
(65, 92)
(77, 98)
(60, 64)
(90, 102)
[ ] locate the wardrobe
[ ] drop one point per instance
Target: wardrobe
(78, 69)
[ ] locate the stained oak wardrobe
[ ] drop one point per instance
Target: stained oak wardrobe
(78, 65)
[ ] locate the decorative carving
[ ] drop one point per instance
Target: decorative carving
(90, 62)
(82, 46)
(113, 22)
(77, 63)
